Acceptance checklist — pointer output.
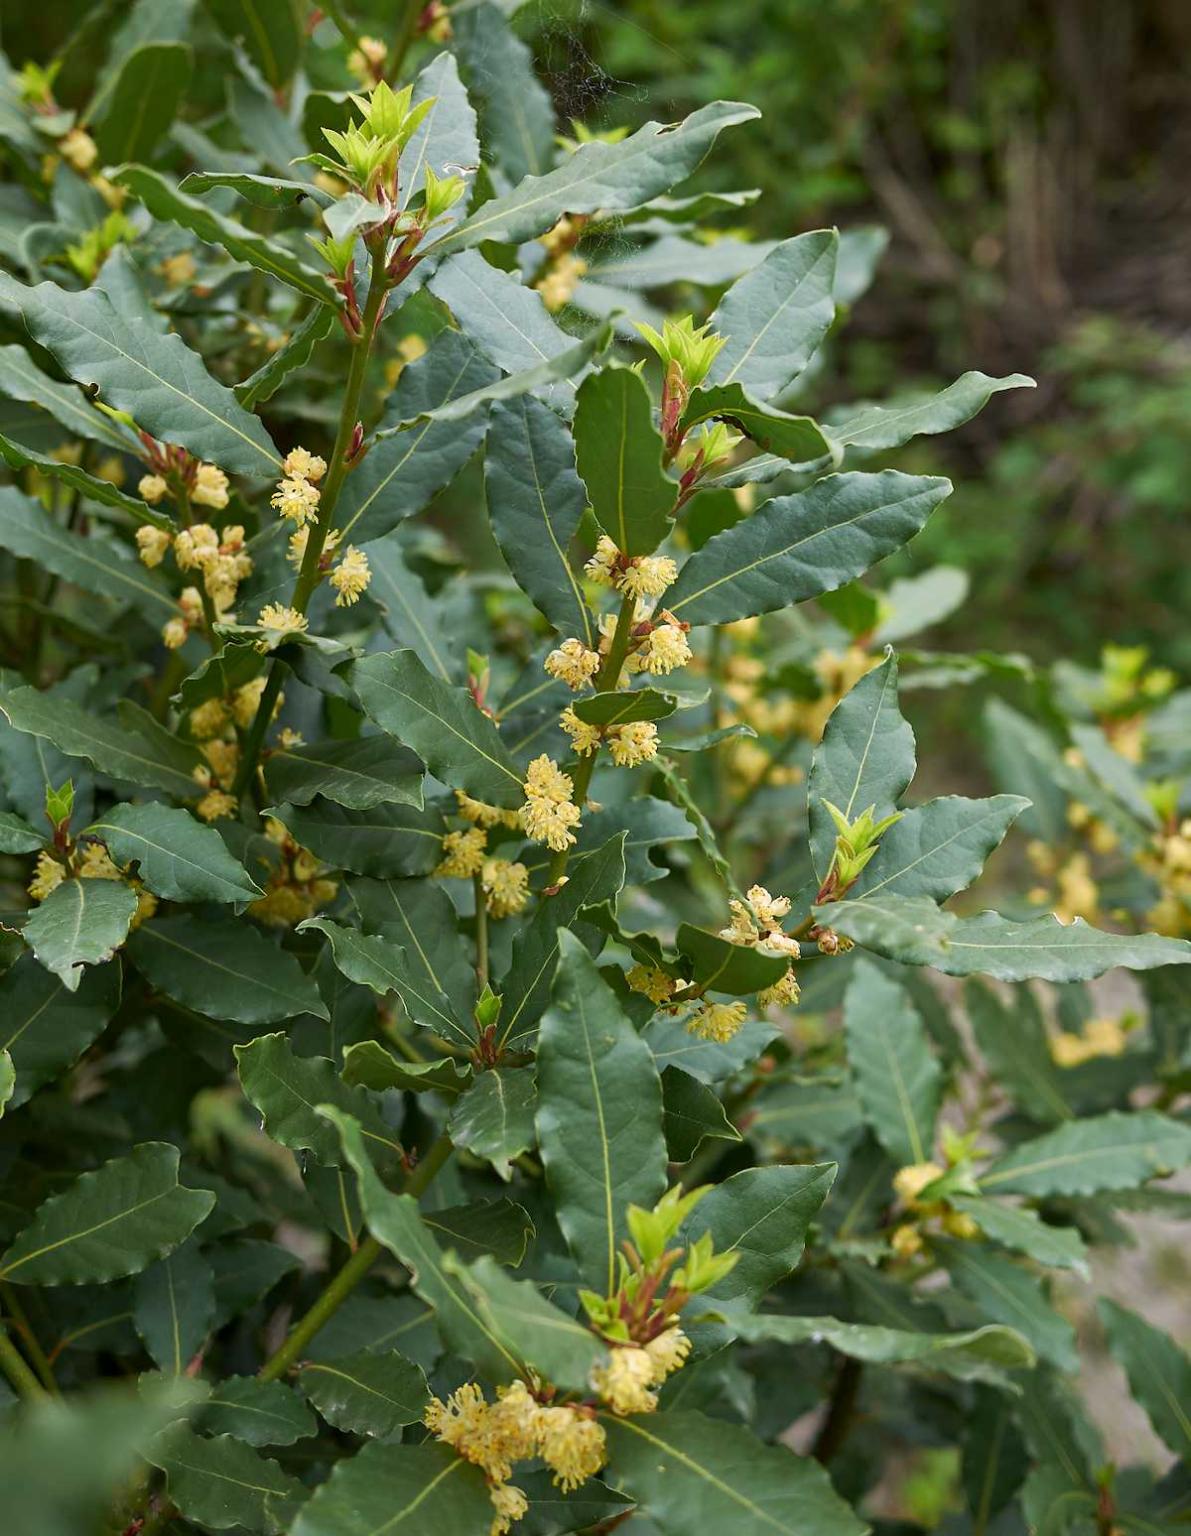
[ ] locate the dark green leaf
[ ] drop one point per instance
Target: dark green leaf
(155, 377)
(889, 426)
(795, 439)
(938, 848)
(1113, 1151)
(1007, 1293)
(372, 770)
(293, 354)
(535, 503)
(259, 1412)
(599, 1116)
(800, 546)
(144, 101)
(379, 962)
(1015, 1045)
(1019, 1228)
(898, 1080)
(499, 1228)
(366, 1394)
(371, 1064)
(407, 610)
(494, 1118)
(47, 1027)
(81, 922)
(981, 1354)
(994, 1457)
(402, 1490)
(386, 840)
(1159, 1373)
(271, 34)
(224, 968)
(17, 456)
(22, 379)
(177, 857)
(174, 1304)
(108, 1223)
(223, 1483)
(691, 1115)
(618, 451)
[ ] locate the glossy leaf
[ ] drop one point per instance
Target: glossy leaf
(258, 1412)
(611, 177)
(366, 1394)
(223, 968)
(47, 1026)
(938, 848)
(288, 1090)
(173, 1307)
(535, 504)
(795, 439)
(379, 962)
(1112, 1151)
(889, 426)
(718, 965)
(81, 922)
(17, 456)
(494, 1118)
(166, 202)
(916, 932)
(618, 451)
(22, 379)
(980, 1354)
(383, 841)
(225, 1484)
(453, 737)
(898, 1080)
(155, 377)
(796, 547)
(408, 612)
(400, 1489)
(109, 1223)
(144, 100)
(693, 1474)
(418, 915)
(176, 856)
(271, 34)
(691, 1115)
(775, 316)
(369, 771)
(599, 1116)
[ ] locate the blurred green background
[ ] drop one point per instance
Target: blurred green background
(1028, 158)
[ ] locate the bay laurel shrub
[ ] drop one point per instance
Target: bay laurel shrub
(480, 1050)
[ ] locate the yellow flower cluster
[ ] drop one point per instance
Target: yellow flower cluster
(664, 649)
(549, 814)
(652, 983)
(908, 1183)
(506, 887)
(221, 557)
(350, 577)
(1075, 893)
(558, 283)
(278, 621)
(1168, 863)
(629, 745)
(640, 576)
(494, 1436)
(628, 1382)
(206, 486)
(573, 664)
(720, 1022)
(1099, 1037)
(298, 887)
(462, 854)
(759, 926)
(297, 494)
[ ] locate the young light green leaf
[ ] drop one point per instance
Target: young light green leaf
(366, 1394)
(81, 922)
(776, 315)
(1159, 1373)
(96, 564)
(599, 1116)
(454, 738)
(618, 451)
(414, 455)
(1083, 1157)
(286, 1088)
(691, 1115)
(224, 969)
(168, 203)
(898, 1080)
(154, 377)
(611, 177)
(980, 1354)
(916, 932)
(799, 546)
(494, 1118)
(173, 1307)
(143, 102)
(222, 1483)
(369, 771)
(692, 1474)
(938, 848)
(402, 1490)
(47, 1027)
(176, 856)
(109, 1223)
(536, 501)
(507, 321)
(259, 1412)
(1009, 1294)
(889, 426)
